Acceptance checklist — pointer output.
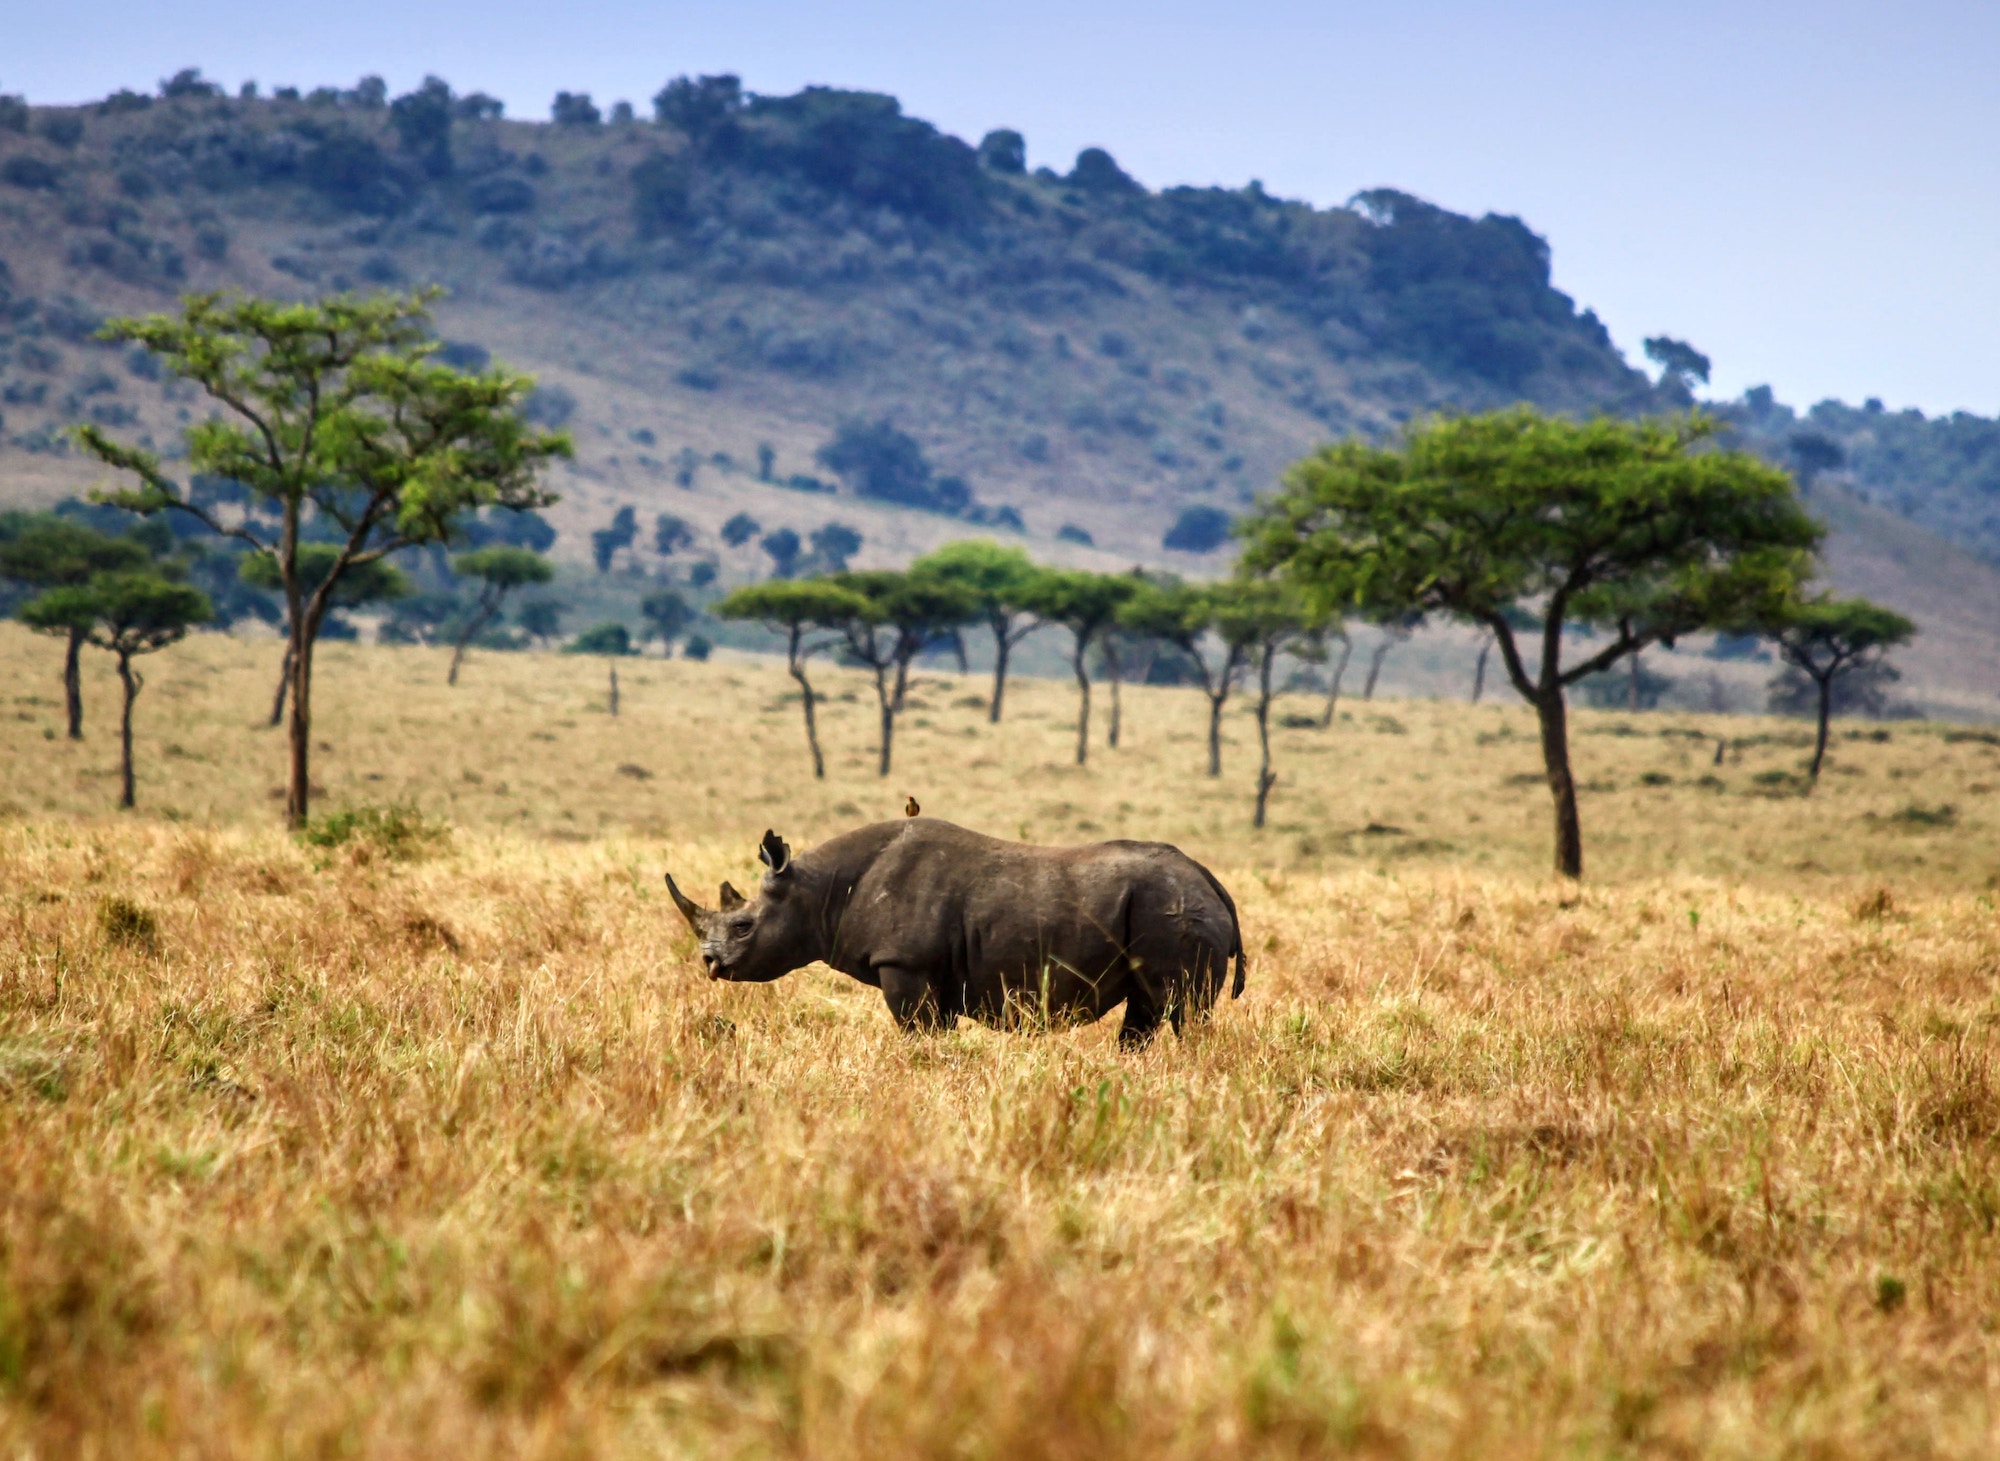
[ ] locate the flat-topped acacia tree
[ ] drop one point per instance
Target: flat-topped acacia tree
(901, 613)
(129, 613)
(814, 616)
(51, 553)
(500, 570)
(1827, 638)
(1643, 530)
(335, 411)
(1087, 605)
(1000, 579)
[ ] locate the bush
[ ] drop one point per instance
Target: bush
(31, 172)
(398, 831)
(697, 647)
(1199, 529)
(127, 924)
(501, 195)
(65, 129)
(1071, 533)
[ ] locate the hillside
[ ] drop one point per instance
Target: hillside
(755, 270)
(706, 296)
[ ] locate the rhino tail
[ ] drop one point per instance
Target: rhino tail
(1235, 929)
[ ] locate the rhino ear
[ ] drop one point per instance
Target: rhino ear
(731, 899)
(773, 853)
(692, 911)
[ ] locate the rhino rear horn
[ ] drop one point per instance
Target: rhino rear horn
(692, 911)
(773, 852)
(731, 899)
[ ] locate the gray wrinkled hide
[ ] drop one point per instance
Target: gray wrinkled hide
(946, 922)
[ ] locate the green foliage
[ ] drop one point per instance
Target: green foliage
(998, 577)
(1640, 528)
(337, 405)
(129, 613)
(373, 582)
(399, 831)
(1083, 602)
(609, 637)
(1626, 524)
(503, 568)
(786, 604)
(48, 551)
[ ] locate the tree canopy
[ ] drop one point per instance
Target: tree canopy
(1642, 530)
(333, 414)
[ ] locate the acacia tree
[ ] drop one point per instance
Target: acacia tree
(500, 571)
(333, 411)
(1087, 605)
(800, 609)
(1638, 528)
(1000, 581)
(1266, 619)
(50, 553)
(128, 613)
(1190, 617)
(368, 583)
(1827, 638)
(903, 612)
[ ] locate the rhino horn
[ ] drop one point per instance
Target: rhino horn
(731, 899)
(773, 852)
(692, 911)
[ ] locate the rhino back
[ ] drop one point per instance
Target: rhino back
(998, 916)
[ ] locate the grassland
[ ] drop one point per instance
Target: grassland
(318, 1152)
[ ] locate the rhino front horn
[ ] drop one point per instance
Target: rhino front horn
(690, 910)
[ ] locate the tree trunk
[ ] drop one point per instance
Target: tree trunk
(1001, 649)
(798, 670)
(298, 732)
(1632, 684)
(1116, 673)
(473, 626)
(1266, 777)
(126, 798)
(73, 684)
(888, 705)
(1479, 673)
(284, 687)
(1215, 703)
(1553, 714)
(1819, 743)
(1083, 704)
(1333, 688)
(1375, 666)
(612, 664)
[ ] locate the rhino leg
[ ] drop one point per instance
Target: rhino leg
(914, 1001)
(1142, 1019)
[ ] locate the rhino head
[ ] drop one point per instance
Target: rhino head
(754, 940)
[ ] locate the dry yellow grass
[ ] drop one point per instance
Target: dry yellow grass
(319, 1153)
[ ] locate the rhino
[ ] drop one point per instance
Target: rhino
(948, 922)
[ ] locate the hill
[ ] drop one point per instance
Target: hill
(756, 269)
(708, 295)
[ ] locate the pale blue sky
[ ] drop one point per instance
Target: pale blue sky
(1807, 192)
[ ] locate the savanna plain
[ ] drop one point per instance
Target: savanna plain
(435, 1141)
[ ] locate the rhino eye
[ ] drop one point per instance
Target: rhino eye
(739, 930)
